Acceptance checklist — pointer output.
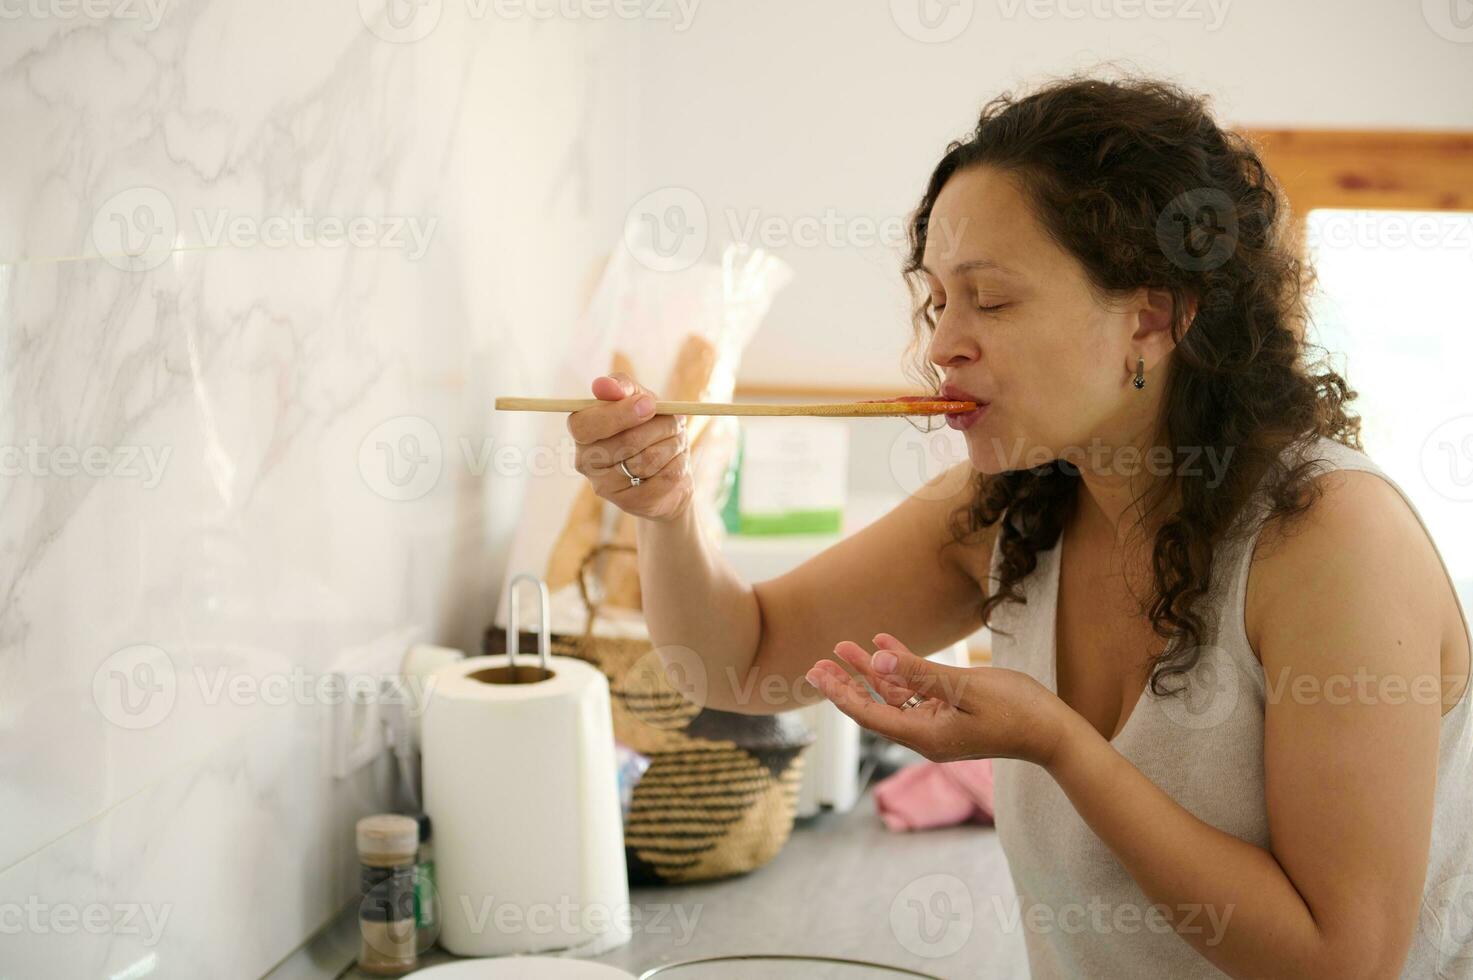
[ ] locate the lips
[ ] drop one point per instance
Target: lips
(953, 392)
(964, 420)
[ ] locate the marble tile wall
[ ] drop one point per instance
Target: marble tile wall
(261, 267)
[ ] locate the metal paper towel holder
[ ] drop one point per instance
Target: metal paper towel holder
(512, 673)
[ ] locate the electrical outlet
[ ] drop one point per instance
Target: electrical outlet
(367, 675)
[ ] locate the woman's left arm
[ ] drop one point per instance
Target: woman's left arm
(1348, 630)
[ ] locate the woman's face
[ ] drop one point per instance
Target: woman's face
(1018, 326)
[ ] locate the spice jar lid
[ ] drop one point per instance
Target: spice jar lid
(388, 833)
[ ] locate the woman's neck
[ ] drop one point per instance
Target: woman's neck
(1121, 487)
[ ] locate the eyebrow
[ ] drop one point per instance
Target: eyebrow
(976, 265)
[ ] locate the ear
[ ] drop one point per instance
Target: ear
(1153, 311)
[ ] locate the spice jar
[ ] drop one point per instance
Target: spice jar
(387, 845)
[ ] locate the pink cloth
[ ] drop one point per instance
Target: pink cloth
(936, 794)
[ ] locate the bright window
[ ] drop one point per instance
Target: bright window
(1395, 308)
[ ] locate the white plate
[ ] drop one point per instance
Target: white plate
(523, 968)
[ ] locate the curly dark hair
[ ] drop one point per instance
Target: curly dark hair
(1136, 180)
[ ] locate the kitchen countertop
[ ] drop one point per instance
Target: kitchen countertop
(939, 902)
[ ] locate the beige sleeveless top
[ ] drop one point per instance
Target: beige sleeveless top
(1080, 912)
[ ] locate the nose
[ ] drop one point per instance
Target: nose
(951, 346)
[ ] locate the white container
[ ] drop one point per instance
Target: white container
(521, 784)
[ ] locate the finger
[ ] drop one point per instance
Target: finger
(645, 463)
(610, 388)
(622, 412)
(672, 472)
(941, 681)
(855, 655)
(847, 695)
(598, 458)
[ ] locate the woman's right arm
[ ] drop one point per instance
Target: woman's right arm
(753, 643)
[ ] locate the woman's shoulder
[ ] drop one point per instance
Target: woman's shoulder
(1357, 548)
(1340, 490)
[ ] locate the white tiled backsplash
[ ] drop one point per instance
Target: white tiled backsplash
(229, 462)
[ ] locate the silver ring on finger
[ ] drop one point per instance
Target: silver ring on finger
(634, 481)
(912, 701)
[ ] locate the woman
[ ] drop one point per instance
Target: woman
(1229, 673)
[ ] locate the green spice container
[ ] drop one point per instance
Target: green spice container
(426, 896)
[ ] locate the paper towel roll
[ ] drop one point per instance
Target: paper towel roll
(520, 782)
(420, 663)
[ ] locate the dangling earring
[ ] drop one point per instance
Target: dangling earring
(1140, 373)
